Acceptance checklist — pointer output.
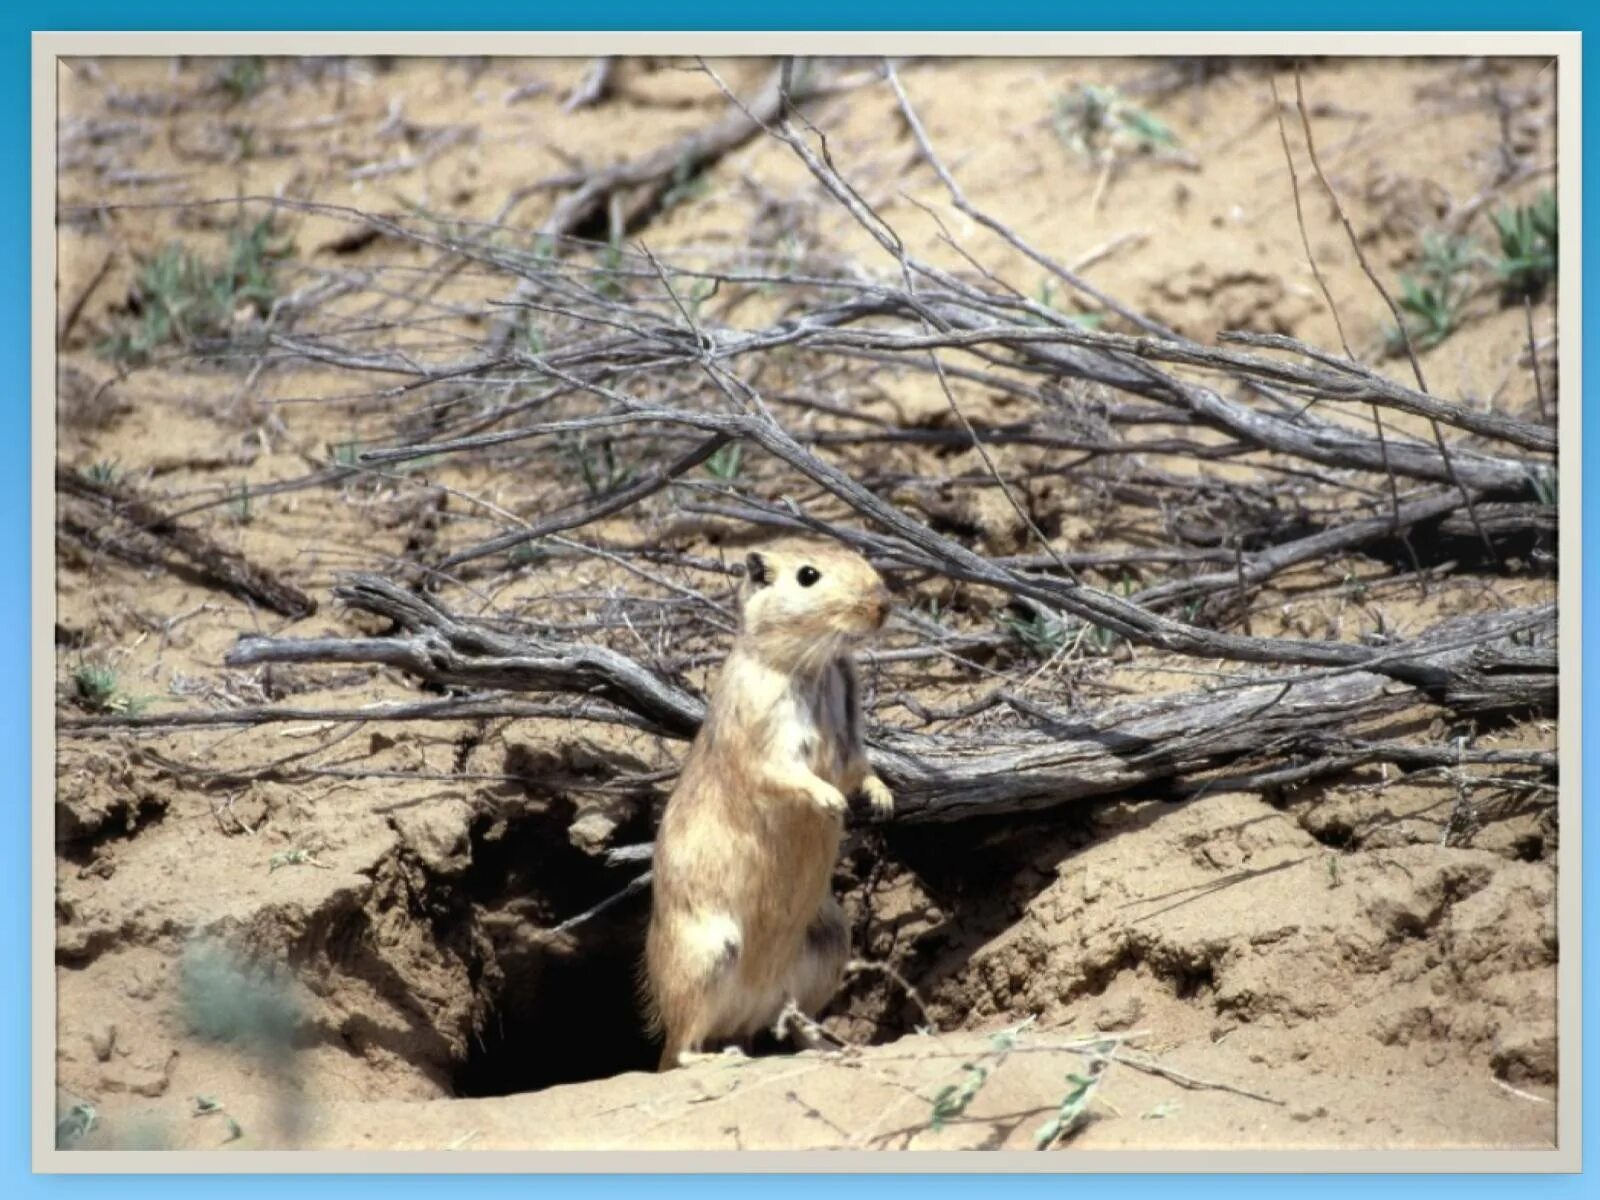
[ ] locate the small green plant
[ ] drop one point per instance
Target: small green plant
(244, 137)
(252, 260)
(105, 471)
(206, 1106)
(725, 463)
(952, 1099)
(239, 506)
(598, 464)
(532, 335)
(242, 78)
(1039, 633)
(1080, 1091)
(180, 298)
(1101, 640)
(99, 691)
(226, 998)
(688, 183)
(1545, 484)
(1074, 1105)
(1098, 123)
(1046, 298)
(525, 554)
(1528, 243)
(96, 686)
(75, 1123)
(295, 858)
(606, 279)
(1434, 298)
(702, 291)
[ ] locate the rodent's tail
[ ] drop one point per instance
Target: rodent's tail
(645, 994)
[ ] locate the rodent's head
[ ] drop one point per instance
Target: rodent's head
(808, 600)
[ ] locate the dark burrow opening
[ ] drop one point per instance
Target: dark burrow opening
(557, 1008)
(565, 1015)
(567, 1009)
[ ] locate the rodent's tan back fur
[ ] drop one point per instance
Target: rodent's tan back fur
(742, 917)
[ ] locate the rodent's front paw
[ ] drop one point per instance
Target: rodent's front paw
(879, 796)
(830, 799)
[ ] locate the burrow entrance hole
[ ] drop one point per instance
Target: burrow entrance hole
(570, 1011)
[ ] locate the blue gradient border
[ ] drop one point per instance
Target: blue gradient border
(15, 66)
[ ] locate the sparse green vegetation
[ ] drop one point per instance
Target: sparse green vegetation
(295, 858)
(1074, 1106)
(532, 335)
(1046, 298)
(702, 291)
(1096, 122)
(597, 462)
(688, 183)
(1101, 639)
(225, 998)
(76, 1122)
(952, 1099)
(1040, 634)
(244, 137)
(1434, 297)
(180, 298)
(606, 278)
(525, 554)
(98, 690)
(105, 470)
(239, 506)
(725, 463)
(1528, 242)
(242, 78)
(1546, 485)
(207, 1106)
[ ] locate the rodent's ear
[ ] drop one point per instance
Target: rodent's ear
(756, 570)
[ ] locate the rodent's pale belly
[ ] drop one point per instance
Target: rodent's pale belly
(799, 854)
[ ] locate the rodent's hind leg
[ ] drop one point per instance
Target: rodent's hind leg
(819, 968)
(693, 999)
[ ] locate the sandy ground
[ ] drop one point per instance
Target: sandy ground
(1338, 964)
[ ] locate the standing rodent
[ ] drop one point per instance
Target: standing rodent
(742, 918)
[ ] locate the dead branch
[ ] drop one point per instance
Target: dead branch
(462, 708)
(445, 650)
(594, 85)
(110, 517)
(1499, 662)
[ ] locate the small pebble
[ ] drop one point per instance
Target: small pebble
(103, 1040)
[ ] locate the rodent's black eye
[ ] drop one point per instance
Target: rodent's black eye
(807, 576)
